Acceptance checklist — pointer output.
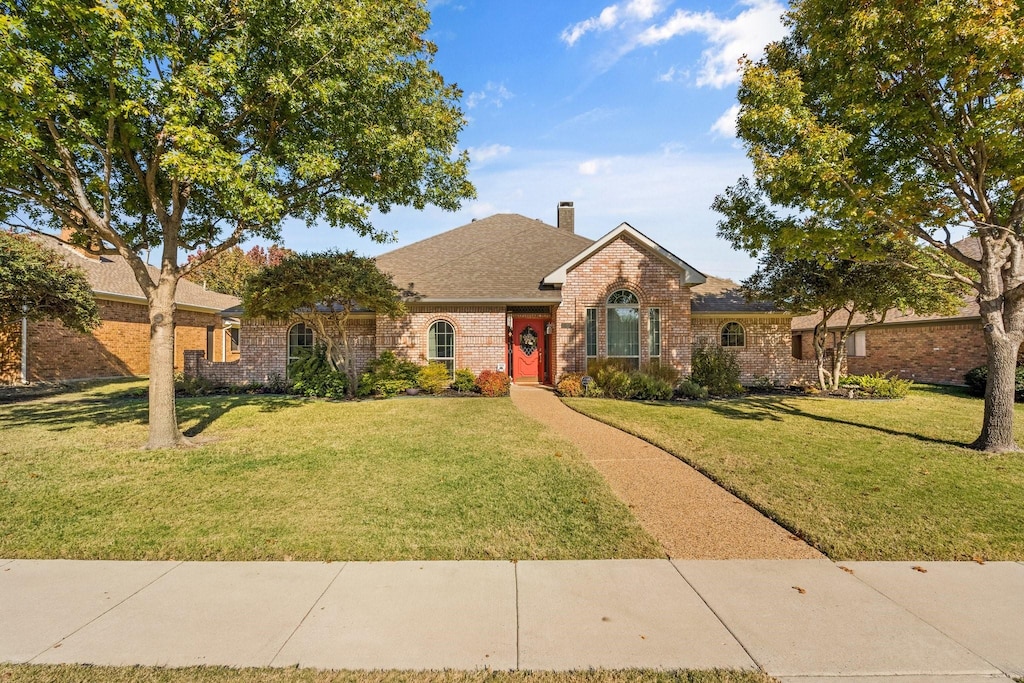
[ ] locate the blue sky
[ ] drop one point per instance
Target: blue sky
(624, 108)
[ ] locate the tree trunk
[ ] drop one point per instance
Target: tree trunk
(997, 427)
(163, 420)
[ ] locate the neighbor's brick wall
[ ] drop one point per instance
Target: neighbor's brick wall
(480, 334)
(622, 264)
(263, 352)
(118, 347)
(768, 348)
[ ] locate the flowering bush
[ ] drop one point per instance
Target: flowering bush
(570, 384)
(492, 383)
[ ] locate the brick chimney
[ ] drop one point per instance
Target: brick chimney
(566, 217)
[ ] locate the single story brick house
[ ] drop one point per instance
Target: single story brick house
(925, 348)
(536, 300)
(119, 347)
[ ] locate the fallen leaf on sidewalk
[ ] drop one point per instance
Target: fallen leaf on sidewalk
(918, 568)
(799, 590)
(846, 569)
(979, 559)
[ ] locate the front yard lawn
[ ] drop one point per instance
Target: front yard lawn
(283, 478)
(860, 480)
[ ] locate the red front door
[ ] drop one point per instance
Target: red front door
(528, 350)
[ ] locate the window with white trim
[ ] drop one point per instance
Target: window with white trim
(624, 327)
(300, 338)
(441, 345)
(654, 333)
(591, 334)
(733, 335)
(856, 344)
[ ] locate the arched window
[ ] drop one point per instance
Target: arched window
(624, 327)
(300, 337)
(733, 335)
(441, 345)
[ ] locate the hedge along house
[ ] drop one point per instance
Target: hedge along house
(119, 347)
(515, 294)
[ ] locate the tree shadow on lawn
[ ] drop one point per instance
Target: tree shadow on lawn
(61, 416)
(775, 408)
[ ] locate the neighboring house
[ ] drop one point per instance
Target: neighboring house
(515, 294)
(933, 349)
(120, 345)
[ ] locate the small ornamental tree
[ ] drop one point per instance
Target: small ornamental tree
(37, 284)
(181, 126)
(895, 122)
(324, 290)
(838, 290)
(226, 273)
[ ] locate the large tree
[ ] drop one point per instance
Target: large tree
(227, 272)
(188, 125)
(898, 122)
(324, 291)
(847, 296)
(37, 284)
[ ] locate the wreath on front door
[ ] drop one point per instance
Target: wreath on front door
(528, 341)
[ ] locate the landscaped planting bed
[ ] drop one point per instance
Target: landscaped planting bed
(285, 478)
(860, 480)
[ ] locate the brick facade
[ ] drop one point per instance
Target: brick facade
(622, 264)
(940, 352)
(767, 349)
(480, 334)
(119, 347)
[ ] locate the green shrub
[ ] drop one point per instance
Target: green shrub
(570, 384)
(717, 369)
(433, 378)
(194, 386)
(977, 379)
(612, 375)
(646, 387)
(880, 385)
(762, 384)
(312, 375)
(687, 388)
(277, 384)
(492, 383)
(464, 381)
(661, 371)
(386, 375)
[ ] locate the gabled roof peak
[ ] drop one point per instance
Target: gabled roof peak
(690, 275)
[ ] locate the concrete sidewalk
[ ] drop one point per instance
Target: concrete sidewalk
(799, 620)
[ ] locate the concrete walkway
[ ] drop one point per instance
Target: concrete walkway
(800, 620)
(690, 515)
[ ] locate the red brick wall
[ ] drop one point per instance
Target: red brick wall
(480, 334)
(10, 354)
(119, 347)
(767, 351)
(622, 264)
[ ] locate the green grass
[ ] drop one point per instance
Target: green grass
(860, 480)
(141, 674)
(282, 478)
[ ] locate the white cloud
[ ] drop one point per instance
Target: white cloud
(613, 16)
(729, 39)
(481, 155)
(493, 94)
(595, 166)
(725, 126)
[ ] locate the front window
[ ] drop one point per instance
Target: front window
(591, 328)
(300, 339)
(441, 345)
(733, 335)
(624, 327)
(654, 333)
(233, 339)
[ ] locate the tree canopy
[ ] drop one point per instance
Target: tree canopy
(188, 125)
(227, 272)
(37, 284)
(890, 122)
(324, 290)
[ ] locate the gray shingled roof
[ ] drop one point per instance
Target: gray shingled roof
(719, 295)
(500, 258)
(112, 275)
